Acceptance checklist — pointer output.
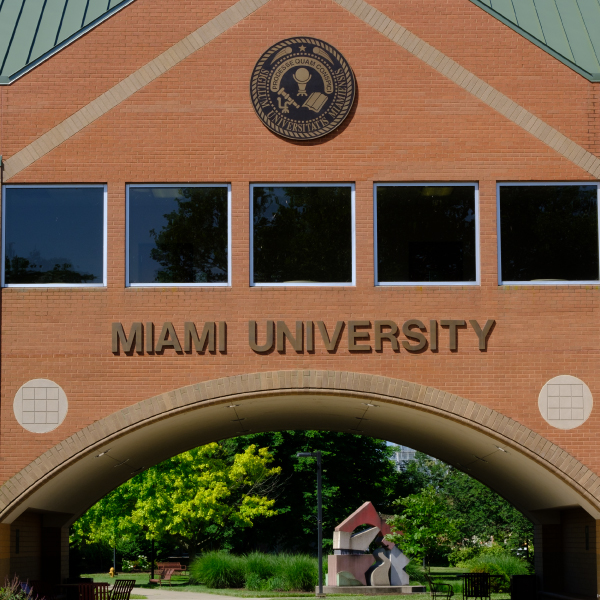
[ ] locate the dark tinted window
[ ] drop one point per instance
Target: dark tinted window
(178, 235)
(549, 232)
(426, 233)
(302, 234)
(54, 235)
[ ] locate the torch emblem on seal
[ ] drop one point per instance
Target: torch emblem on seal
(302, 88)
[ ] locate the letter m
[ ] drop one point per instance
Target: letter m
(136, 334)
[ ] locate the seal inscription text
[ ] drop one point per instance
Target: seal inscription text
(302, 88)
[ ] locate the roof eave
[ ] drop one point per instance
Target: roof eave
(593, 77)
(8, 79)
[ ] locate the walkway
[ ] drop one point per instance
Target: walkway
(164, 593)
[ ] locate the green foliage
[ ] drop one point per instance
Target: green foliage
(218, 570)
(373, 477)
(297, 571)
(415, 572)
(192, 497)
(460, 554)
(260, 565)
(258, 571)
(480, 514)
(424, 524)
(12, 590)
(141, 563)
(495, 560)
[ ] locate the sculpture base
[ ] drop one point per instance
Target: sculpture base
(372, 590)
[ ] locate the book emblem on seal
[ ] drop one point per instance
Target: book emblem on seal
(302, 88)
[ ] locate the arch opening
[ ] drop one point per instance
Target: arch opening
(537, 477)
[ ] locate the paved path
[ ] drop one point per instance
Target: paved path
(164, 593)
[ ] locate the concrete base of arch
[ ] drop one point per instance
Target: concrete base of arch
(551, 487)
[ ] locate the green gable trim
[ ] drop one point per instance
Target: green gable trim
(568, 30)
(31, 31)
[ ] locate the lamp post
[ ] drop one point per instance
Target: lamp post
(317, 455)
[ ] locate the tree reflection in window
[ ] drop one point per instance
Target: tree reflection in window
(178, 235)
(426, 233)
(302, 234)
(54, 235)
(549, 232)
(35, 269)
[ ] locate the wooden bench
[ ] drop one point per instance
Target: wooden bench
(121, 590)
(172, 565)
(164, 575)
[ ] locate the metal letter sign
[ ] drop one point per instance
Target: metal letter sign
(302, 88)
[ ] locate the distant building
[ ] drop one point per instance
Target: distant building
(402, 455)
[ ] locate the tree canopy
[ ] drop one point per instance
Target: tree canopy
(192, 498)
(355, 469)
(479, 513)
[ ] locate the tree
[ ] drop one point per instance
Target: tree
(192, 497)
(355, 469)
(481, 514)
(424, 525)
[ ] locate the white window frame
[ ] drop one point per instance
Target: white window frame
(178, 185)
(352, 187)
(477, 281)
(104, 237)
(498, 231)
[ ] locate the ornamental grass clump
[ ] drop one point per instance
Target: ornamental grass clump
(258, 564)
(257, 572)
(218, 570)
(504, 565)
(298, 571)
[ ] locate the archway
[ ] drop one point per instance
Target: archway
(538, 477)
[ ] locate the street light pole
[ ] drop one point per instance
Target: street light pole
(317, 455)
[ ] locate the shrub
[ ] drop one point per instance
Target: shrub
(218, 570)
(503, 563)
(298, 571)
(261, 565)
(462, 554)
(254, 582)
(12, 590)
(257, 571)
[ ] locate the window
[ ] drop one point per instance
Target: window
(548, 233)
(426, 234)
(178, 235)
(302, 234)
(54, 235)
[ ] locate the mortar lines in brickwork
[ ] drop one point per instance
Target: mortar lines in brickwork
(368, 15)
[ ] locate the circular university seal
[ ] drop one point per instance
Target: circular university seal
(302, 88)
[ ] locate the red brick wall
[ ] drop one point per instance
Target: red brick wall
(196, 124)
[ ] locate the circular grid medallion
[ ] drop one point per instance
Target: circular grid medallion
(40, 405)
(302, 88)
(565, 402)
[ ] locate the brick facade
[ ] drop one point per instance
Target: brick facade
(194, 123)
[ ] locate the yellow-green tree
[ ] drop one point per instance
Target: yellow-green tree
(193, 497)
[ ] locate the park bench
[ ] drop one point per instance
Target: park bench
(122, 588)
(438, 590)
(172, 565)
(164, 575)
